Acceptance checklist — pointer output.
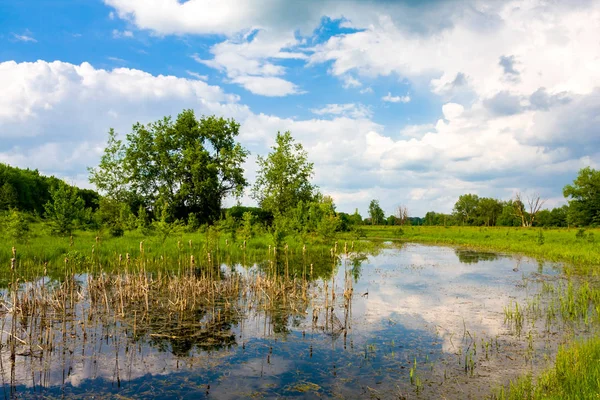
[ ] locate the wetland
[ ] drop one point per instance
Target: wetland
(389, 321)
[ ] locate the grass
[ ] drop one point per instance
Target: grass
(575, 375)
(580, 249)
(87, 251)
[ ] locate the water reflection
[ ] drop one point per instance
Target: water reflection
(467, 256)
(351, 325)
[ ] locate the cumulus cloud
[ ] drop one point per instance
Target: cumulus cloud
(54, 116)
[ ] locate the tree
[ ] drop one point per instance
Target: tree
(527, 212)
(465, 207)
(65, 209)
(376, 212)
(17, 226)
(402, 217)
(584, 197)
(180, 167)
(110, 177)
(488, 210)
(283, 178)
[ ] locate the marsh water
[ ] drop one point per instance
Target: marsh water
(409, 321)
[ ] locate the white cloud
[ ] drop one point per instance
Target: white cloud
(267, 85)
(395, 99)
(349, 109)
(197, 75)
(517, 80)
(54, 116)
(247, 60)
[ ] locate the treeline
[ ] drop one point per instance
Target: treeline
(583, 208)
(175, 174)
(28, 191)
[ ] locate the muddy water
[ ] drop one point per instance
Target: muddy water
(410, 322)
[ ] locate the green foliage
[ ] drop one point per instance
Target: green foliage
(540, 238)
(8, 196)
(465, 208)
(163, 226)
(229, 226)
(17, 226)
(283, 178)
(115, 216)
(584, 198)
(143, 221)
(65, 210)
(376, 213)
(247, 225)
(189, 164)
(192, 223)
(28, 191)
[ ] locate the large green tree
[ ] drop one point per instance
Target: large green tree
(584, 197)
(465, 207)
(284, 177)
(376, 213)
(187, 165)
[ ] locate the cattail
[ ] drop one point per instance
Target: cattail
(127, 257)
(14, 252)
(192, 261)
(13, 263)
(244, 244)
(303, 249)
(179, 245)
(209, 258)
(120, 258)
(66, 261)
(97, 239)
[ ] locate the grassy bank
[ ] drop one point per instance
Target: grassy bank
(576, 247)
(575, 375)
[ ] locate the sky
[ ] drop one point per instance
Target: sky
(409, 102)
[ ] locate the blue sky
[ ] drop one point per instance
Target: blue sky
(411, 103)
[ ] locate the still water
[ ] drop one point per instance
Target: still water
(408, 322)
